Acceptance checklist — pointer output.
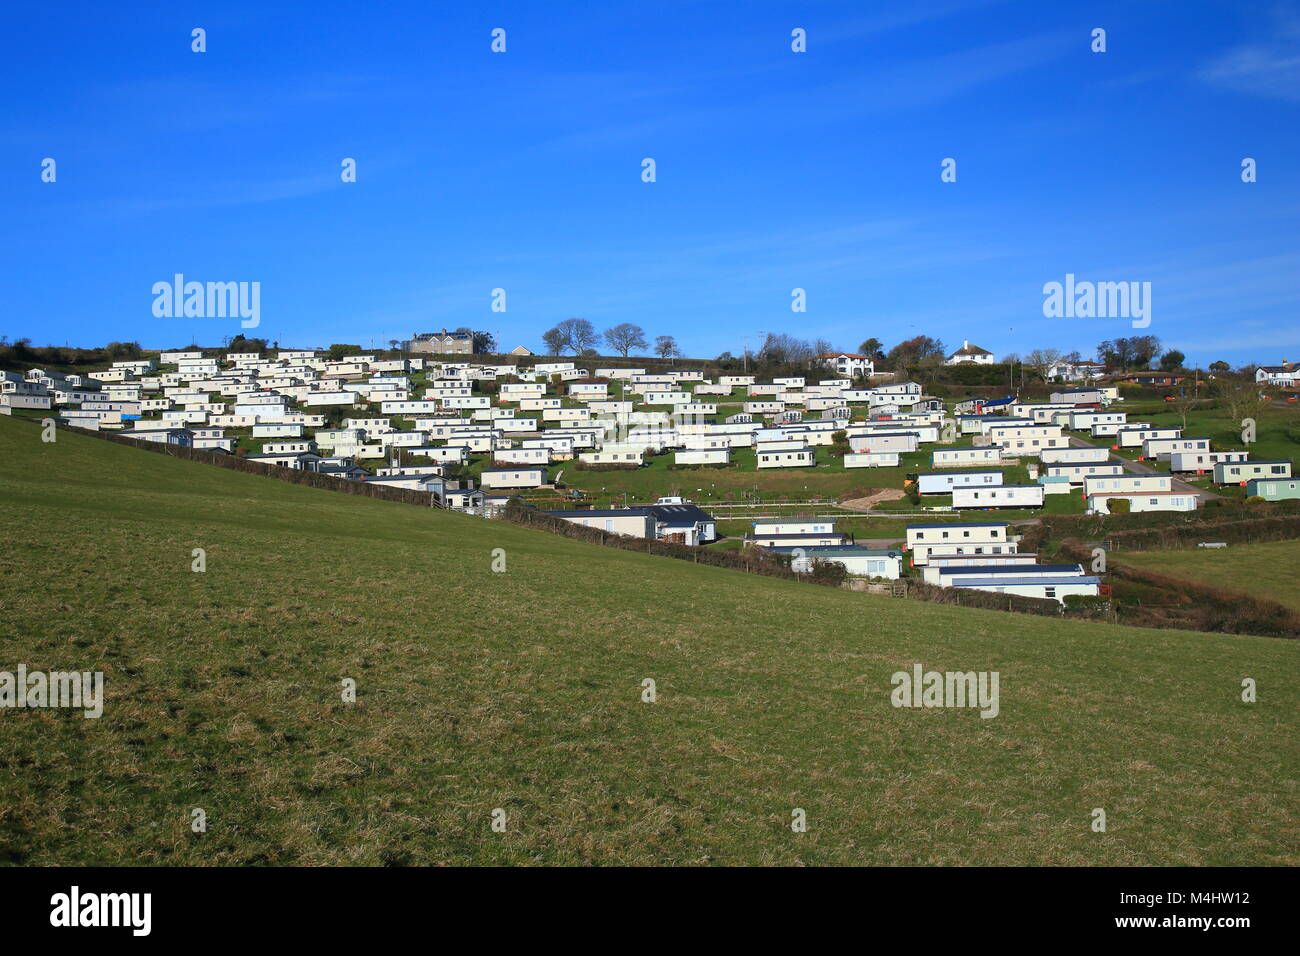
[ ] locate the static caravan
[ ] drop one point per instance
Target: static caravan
(1124, 484)
(1111, 429)
(826, 539)
(277, 430)
(1056, 588)
(943, 482)
(703, 456)
(860, 562)
(522, 456)
(896, 441)
(1051, 456)
(1162, 449)
(1084, 421)
(1143, 501)
(1273, 489)
(1077, 471)
(1200, 462)
(614, 455)
(1130, 437)
(961, 457)
(950, 575)
(871, 459)
(1001, 496)
(924, 540)
(512, 477)
(1240, 472)
(769, 527)
(797, 458)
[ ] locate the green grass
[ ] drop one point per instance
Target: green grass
(522, 691)
(1266, 570)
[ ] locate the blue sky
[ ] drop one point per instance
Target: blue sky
(775, 170)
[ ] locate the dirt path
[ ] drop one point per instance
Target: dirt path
(867, 503)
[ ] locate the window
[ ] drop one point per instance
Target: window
(1049, 592)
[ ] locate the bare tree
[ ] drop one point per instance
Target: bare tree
(625, 337)
(576, 335)
(666, 346)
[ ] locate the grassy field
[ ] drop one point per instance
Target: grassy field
(1265, 570)
(522, 691)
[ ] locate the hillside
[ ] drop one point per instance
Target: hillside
(522, 691)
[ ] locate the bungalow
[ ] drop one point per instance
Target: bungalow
(1273, 489)
(631, 522)
(1002, 496)
(1100, 502)
(1240, 472)
(797, 458)
(683, 522)
(924, 540)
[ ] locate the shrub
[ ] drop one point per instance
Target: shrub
(1120, 506)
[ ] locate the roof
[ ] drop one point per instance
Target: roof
(811, 534)
(602, 513)
(845, 550)
(852, 355)
(1017, 582)
(688, 514)
(999, 570)
(971, 524)
(969, 349)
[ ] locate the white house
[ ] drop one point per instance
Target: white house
(1284, 375)
(970, 355)
(847, 363)
(960, 457)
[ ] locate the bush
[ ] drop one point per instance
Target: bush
(1120, 506)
